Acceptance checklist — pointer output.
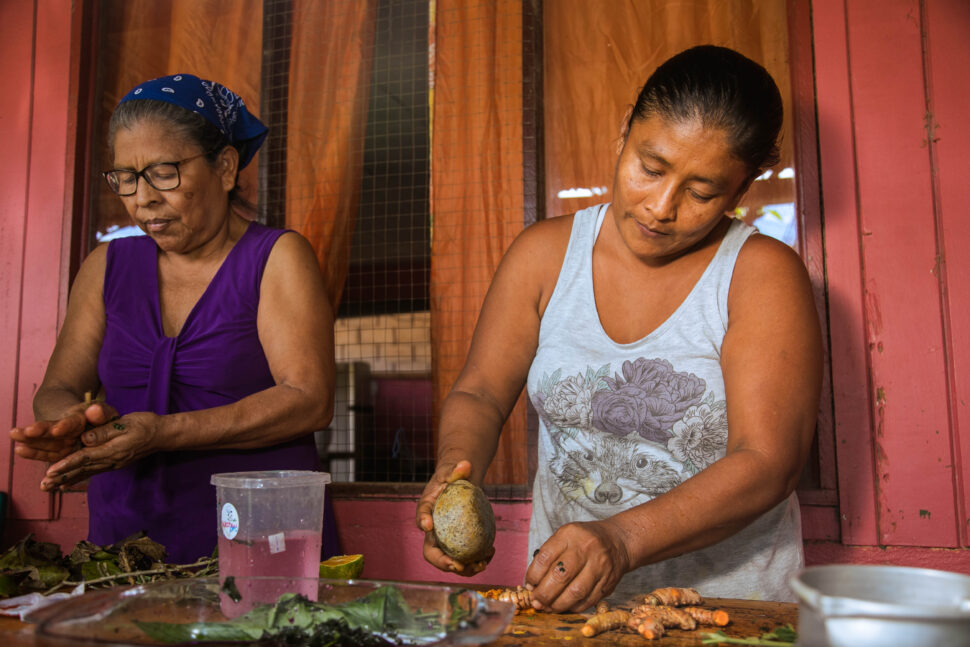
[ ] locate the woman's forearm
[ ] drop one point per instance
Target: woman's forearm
(707, 508)
(275, 415)
(52, 402)
(469, 430)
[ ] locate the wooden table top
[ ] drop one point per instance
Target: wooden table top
(748, 618)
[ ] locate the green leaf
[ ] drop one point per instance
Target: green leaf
(170, 632)
(9, 586)
(779, 637)
(784, 634)
(50, 575)
(96, 569)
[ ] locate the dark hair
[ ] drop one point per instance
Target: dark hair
(184, 123)
(723, 89)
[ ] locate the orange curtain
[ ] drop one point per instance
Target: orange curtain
(598, 53)
(219, 40)
(330, 67)
(477, 179)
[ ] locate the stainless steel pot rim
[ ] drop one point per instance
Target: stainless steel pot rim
(855, 607)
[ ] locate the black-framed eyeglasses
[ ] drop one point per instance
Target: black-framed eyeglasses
(162, 176)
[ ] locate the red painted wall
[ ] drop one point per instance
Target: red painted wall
(890, 101)
(36, 128)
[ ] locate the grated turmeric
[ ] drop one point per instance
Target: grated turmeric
(673, 596)
(718, 617)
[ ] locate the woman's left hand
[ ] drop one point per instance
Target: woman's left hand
(578, 566)
(110, 446)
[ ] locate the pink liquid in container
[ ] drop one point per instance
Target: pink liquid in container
(270, 527)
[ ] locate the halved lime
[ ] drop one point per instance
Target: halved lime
(342, 567)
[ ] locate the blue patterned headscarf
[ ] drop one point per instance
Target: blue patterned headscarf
(220, 106)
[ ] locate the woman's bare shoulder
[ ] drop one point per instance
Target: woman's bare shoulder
(761, 251)
(769, 271)
(292, 250)
(543, 244)
(90, 276)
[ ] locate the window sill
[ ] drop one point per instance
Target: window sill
(515, 493)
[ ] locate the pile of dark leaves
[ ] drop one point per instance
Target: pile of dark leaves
(35, 566)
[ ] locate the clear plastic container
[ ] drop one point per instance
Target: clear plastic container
(270, 524)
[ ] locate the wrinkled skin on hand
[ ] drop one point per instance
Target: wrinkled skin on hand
(577, 567)
(444, 474)
(89, 440)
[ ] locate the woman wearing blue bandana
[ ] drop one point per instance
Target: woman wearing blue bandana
(211, 337)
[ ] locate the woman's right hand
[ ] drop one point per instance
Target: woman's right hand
(444, 474)
(53, 440)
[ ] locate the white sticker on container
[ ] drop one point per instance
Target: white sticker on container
(229, 520)
(277, 543)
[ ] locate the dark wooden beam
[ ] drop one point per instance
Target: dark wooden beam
(274, 110)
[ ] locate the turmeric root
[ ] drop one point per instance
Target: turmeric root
(667, 616)
(520, 597)
(718, 617)
(674, 597)
(649, 628)
(605, 622)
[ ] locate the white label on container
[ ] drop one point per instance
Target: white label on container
(229, 520)
(277, 543)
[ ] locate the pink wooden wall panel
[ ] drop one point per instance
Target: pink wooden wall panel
(35, 42)
(46, 252)
(913, 454)
(948, 26)
(849, 358)
(15, 51)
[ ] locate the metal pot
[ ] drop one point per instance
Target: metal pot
(882, 606)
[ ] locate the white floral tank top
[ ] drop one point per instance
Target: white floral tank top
(620, 424)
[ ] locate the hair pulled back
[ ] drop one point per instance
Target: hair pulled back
(723, 89)
(183, 123)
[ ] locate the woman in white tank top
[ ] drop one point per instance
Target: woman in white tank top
(672, 354)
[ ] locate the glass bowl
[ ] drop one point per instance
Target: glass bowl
(450, 615)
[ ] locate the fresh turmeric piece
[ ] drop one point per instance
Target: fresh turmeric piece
(602, 607)
(717, 617)
(648, 627)
(605, 622)
(520, 597)
(673, 596)
(667, 616)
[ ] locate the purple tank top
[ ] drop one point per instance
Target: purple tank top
(215, 360)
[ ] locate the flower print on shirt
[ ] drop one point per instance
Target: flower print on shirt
(649, 398)
(566, 403)
(700, 437)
